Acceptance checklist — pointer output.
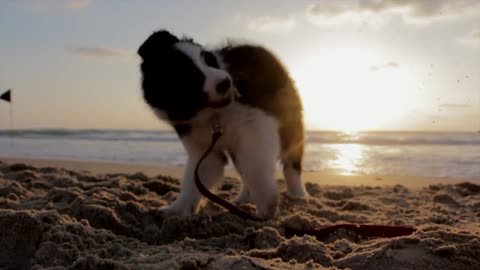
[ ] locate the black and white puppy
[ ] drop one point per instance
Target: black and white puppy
(249, 93)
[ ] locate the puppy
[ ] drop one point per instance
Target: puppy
(246, 90)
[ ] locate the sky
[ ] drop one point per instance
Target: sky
(358, 64)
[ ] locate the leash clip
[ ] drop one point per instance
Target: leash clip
(216, 124)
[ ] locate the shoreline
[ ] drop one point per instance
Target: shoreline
(104, 167)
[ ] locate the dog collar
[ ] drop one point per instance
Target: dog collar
(216, 124)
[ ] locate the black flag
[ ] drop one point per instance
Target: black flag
(7, 96)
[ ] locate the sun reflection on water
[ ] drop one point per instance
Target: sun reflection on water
(349, 159)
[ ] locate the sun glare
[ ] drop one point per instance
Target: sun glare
(349, 159)
(352, 89)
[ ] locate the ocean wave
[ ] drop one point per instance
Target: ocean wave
(319, 137)
(101, 135)
(396, 138)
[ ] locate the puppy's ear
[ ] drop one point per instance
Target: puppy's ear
(157, 42)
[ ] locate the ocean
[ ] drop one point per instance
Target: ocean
(430, 154)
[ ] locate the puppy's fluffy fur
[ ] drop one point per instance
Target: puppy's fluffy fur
(255, 101)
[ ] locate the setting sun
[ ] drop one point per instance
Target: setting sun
(353, 88)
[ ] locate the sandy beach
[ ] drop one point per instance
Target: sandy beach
(58, 214)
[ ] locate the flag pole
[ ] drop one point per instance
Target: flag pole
(11, 117)
(11, 124)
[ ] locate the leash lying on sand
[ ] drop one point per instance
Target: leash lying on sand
(364, 230)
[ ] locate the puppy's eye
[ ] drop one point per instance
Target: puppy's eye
(210, 59)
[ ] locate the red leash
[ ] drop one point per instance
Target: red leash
(364, 230)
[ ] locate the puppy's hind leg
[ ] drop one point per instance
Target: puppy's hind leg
(292, 137)
(292, 170)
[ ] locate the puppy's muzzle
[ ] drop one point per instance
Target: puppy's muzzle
(224, 86)
(226, 93)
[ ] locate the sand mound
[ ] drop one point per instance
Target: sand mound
(54, 218)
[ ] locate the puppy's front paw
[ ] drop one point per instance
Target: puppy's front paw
(267, 209)
(268, 214)
(178, 209)
(297, 194)
(242, 199)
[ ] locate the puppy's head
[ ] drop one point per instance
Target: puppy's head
(180, 78)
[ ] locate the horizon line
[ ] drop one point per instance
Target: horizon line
(307, 130)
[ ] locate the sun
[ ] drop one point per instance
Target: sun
(353, 89)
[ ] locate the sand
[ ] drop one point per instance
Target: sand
(56, 218)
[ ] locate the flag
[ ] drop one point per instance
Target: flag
(7, 96)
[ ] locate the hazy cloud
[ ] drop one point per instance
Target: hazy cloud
(416, 11)
(101, 52)
(471, 39)
(46, 5)
(335, 12)
(455, 106)
(271, 24)
(78, 4)
(390, 64)
(419, 9)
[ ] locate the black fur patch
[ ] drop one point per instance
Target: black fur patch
(171, 82)
(182, 130)
(154, 45)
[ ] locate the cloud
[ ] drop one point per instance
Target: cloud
(101, 52)
(78, 4)
(419, 9)
(271, 24)
(471, 39)
(390, 64)
(455, 106)
(335, 12)
(47, 5)
(412, 11)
